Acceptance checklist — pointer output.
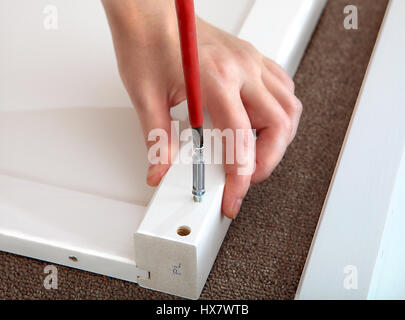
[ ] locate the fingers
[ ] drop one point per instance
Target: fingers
(274, 128)
(155, 118)
(279, 72)
(270, 149)
(236, 188)
(267, 104)
(285, 97)
(228, 113)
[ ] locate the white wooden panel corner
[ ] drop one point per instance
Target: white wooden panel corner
(65, 202)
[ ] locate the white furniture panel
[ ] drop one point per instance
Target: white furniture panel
(361, 225)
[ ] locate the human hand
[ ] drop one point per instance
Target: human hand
(241, 88)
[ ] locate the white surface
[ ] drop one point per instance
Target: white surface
(72, 178)
(361, 221)
(388, 281)
(99, 151)
(217, 13)
(73, 66)
(281, 31)
(53, 224)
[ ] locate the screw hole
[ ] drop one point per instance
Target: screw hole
(183, 231)
(73, 258)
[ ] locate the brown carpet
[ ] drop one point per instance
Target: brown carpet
(264, 252)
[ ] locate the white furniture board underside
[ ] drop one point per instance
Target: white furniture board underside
(362, 221)
(72, 163)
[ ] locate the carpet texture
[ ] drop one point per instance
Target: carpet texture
(265, 249)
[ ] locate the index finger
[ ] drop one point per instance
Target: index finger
(228, 114)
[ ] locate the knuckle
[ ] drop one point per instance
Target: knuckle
(264, 168)
(282, 74)
(249, 57)
(290, 84)
(248, 45)
(288, 81)
(295, 106)
(250, 49)
(223, 69)
(284, 126)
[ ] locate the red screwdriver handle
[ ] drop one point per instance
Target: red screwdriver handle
(191, 67)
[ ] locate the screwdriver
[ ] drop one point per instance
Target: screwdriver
(191, 69)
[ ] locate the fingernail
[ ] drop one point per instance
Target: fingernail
(236, 207)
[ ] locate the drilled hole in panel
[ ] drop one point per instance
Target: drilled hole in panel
(183, 231)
